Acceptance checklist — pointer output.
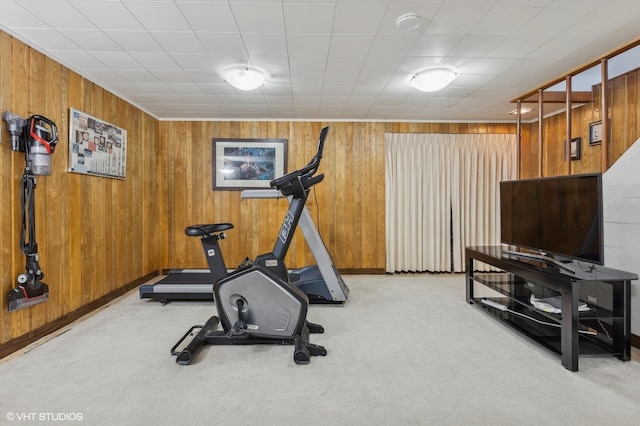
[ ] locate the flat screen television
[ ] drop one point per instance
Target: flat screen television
(560, 216)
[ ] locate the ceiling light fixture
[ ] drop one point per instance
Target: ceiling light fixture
(408, 22)
(244, 78)
(522, 111)
(433, 80)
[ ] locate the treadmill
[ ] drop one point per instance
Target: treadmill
(321, 283)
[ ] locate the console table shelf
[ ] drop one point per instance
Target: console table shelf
(603, 329)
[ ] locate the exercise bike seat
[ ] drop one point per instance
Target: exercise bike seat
(206, 229)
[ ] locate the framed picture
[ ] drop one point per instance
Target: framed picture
(98, 148)
(575, 148)
(248, 163)
(595, 133)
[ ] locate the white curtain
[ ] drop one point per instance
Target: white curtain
(442, 194)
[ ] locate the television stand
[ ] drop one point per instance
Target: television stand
(602, 330)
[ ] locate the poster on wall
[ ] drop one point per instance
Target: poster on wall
(97, 148)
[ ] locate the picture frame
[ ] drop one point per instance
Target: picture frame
(595, 133)
(97, 147)
(247, 163)
(575, 148)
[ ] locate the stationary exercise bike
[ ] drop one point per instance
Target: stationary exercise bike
(255, 303)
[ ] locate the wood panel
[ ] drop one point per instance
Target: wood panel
(624, 130)
(90, 230)
(7, 186)
(348, 206)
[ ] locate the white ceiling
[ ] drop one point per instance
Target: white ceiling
(325, 59)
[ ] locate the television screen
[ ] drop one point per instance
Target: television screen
(557, 215)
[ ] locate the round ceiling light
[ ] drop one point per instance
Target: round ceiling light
(433, 79)
(244, 78)
(408, 22)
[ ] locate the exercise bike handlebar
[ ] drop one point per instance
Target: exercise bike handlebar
(307, 171)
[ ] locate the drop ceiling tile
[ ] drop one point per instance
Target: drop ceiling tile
(149, 88)
(106, 76)
(178, 41)
(107, 15)
(381, 65)
(135, 41)
(307, 78)
(158, 15)
(15, 16)
(58, 14)
(435, 44)
(265, 44)
(78, 59)
(94, 40)
(204, 16)
(504, 19)
(457, 18)
(551, 21)
(156, 60)
(117, 60)
(46, 39)
(308, 44)
(206, 77)
(488, 66)
(185, 88)
(221, 44)
(306, 90)
(303, 64)
(466, 80)
(345, 64)
(271, 64)
(308, 18)
(173, 77)
(353, 18)
(343, 80)
(372, 79)
(258, 17)
(476, 46)
(396, 44)
(518, 47)
(350, 44)
(361, 101)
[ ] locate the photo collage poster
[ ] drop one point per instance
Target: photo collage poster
(97, 148)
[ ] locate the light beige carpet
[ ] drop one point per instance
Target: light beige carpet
(405, 349)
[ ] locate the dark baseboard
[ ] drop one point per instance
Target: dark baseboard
(18, 343)
(635, 341)
(361, 271)
(346, 271)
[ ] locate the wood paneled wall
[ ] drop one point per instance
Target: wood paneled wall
(348, 206)
(94, 234)
(623, 113)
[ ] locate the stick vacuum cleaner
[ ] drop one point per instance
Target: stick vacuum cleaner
(37, 137)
